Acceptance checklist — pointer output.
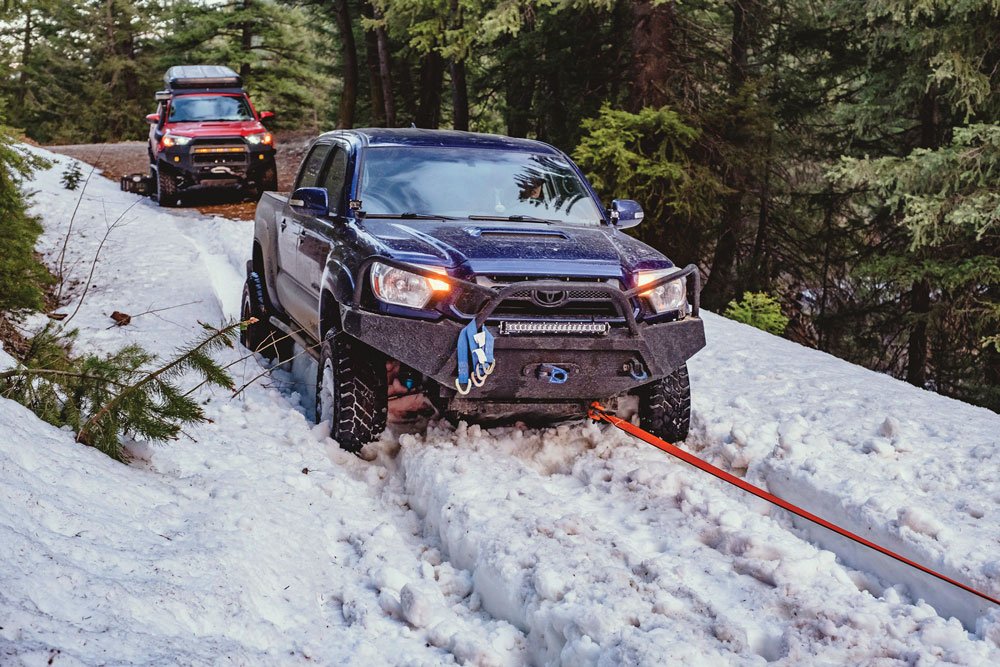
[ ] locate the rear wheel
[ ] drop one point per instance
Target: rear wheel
(260, 336)
(665, 406)
(351, 391)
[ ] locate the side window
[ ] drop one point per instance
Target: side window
(309, 175)
(335, 179)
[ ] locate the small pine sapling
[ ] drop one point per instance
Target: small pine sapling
(759, 310)
(71, 176)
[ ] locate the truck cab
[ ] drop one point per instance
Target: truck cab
(206, 133)
(480, 271)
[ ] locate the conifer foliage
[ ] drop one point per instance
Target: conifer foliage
(124, 395)
(759, 310)
(22, 276)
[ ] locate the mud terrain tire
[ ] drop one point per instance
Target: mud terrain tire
(166, 189)
(261, 337)
(665, 406)
(351, 391)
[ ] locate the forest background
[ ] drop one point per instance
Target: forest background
(836, 160)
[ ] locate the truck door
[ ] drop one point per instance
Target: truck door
(321, 235)
(292, 293)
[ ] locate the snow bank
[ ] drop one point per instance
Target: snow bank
(255, 540)
(909, 469)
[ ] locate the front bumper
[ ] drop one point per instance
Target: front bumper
(597, 366)
(196, 165)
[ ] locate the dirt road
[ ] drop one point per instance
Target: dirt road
(127, 157)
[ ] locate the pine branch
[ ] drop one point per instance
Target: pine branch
(107, 411)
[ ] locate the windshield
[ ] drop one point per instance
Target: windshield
(190, 108)
(474, 182)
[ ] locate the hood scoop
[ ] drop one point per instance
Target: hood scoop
(516, 233)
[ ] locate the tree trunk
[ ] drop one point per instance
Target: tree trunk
(917, 354)
(653, 59)
(246, 40)
(349, 53)
(22, 82)
(459, 87)
(374, 73)
(721, 285)
(459, 96)
(431, 79)
(760, 262)
(518, 93)
(385, 71)
(916, 360)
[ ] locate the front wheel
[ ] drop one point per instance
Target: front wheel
(665, 406)
(351, 392)
(166, 189)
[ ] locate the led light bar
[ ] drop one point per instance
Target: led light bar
(592, 328)
(222, 149)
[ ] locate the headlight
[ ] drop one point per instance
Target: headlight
(668, 296)
(404, 288)
(262, 138)
(175, 140)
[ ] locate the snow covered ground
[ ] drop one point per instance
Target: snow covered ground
(255, 540)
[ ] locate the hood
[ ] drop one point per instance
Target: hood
(522, 249)
(219, 128)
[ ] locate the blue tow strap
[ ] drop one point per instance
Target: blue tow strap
(475, 357)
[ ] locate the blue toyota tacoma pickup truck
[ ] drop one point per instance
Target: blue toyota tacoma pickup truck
(478, 270)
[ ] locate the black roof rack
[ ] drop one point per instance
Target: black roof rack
(186, 77)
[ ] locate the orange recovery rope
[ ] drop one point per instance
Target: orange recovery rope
(599, 413)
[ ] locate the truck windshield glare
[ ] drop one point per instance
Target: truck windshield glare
(201, 108)
(474, 182)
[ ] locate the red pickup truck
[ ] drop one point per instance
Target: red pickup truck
(206, 134)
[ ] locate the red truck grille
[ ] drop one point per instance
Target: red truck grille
(219, 155)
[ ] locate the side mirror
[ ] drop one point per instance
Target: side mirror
(153, 118)
(625, 213)
(264, 115)
(310, 201)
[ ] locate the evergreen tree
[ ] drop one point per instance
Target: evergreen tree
(22, 276)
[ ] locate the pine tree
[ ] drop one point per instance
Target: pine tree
(759, 310)
(22, 276)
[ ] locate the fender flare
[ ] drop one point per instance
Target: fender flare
(337, 287)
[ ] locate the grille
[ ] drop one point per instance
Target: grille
(576, 303)
(219, 141)
(572, 307)
(219, 155)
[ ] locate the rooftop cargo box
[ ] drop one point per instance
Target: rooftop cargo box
(181, 77)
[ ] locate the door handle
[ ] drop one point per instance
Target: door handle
(284, 223)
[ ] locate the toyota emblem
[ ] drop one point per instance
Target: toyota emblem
(549, 299)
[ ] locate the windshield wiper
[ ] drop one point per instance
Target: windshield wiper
(409, 215)
(515, 218)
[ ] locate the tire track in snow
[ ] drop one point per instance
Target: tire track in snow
(431, 594)
(416, 586)
(544, 542)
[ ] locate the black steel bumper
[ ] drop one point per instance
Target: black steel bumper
(194, 170)
(597, 366)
